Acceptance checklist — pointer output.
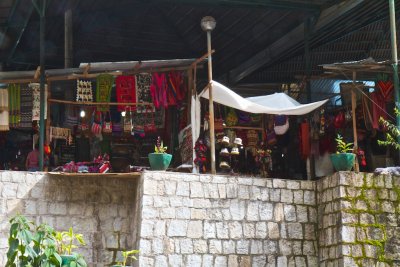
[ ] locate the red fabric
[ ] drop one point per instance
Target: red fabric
(158, 90)
(304, 139)
(378, 109)
(386, 90)
(176, 88)
(126, 91)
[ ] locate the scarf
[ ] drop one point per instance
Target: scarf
(26, 107)
(14, 101)
(4, 117)
(158, 90)
(103, 91)
(126, 92)
(36, 101)
(143, 83)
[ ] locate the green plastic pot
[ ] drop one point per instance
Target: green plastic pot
(343, 161)
(159, 161)
(67, 259)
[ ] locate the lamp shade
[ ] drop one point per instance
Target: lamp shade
(208, 23)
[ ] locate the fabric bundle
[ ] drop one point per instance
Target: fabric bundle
(126, 91)
(4, 116)
(26, 107)
(104, 84)
(143, 83)
(36, 101)
(14, 102)
(158, 90)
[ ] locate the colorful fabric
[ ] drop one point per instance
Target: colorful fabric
(126, 91)
(378, 109)
(176, 88)
(158, 90)
(4, 114)
(104, 84)
(36, 101)
(143, 94)
(84, 92)
(14, 101)
(26, 107)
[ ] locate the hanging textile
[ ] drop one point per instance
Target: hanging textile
(36, 101)
(26, 107)
(386, 90)
(84, 92)
(143, 83)
(14, 101)
(378, 109)
(4, 116)
(158, 90)
(60, 133)
(176, 88)
(104, 83)
(126, 91)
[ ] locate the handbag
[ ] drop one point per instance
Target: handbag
(128, 121)
(150, 126)
(96, 125)
(281, 124)
(107, 125)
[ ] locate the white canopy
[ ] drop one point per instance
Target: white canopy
(278, 103)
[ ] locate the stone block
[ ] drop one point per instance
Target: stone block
(261, 230)
(208, 260)
(150, 187)
(261, 182)
(298, 196)
(58, 208)
(220, 179)
(228, 247)
(374, 233)
(289, 213)
(278, 212)
(186, 245)
(264, 194)
(235, 230)
(233, 261)
(158, 246)
(150, 213)
(231, 191)
(196, 190)
(302, 215)
(275, 195)
(309, 232)
(182, 189)
(226, 214)
(348, 234)
(222, 190)
(357, 251)
(282, 261)
(308, 248)
(244, 192)
(383, 193)
(161, 202)
(295, 230)
(195, 229)
(307, 185)
(201, 203)
(387, 206)
(273, 230)
(146, 229)
(177, 228)
(255, 193)
(312, 261)
(349, 218)
(309, 197)
(270, 247)
(286, 196)
(188, 177)
(312, 215)
(297, 247)
(380, 181)
(249, 230)
(242, 247)
(222, 230)
(252, 211)
(194, 260)
(170, 187)
(283, 231)
(9, 190)
(285, 247)
(175, 201)
(175, 260)
(279, 183)
(159, 228)
(200, 246)
(300, 262)
(198, 214)
(146, 262)
(267, 211)
(215, 246)
(256, 247)
(237, 209)
(221, 261)
(209, 230)
(182, 213)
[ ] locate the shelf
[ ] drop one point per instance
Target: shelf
(244, 128)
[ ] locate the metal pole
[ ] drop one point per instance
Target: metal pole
(353, 113)
(42, 85)
(211, 104)
(394, 59)
(68, 39)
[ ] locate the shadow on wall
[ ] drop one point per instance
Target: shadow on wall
(101, 208)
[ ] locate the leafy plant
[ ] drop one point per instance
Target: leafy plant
(30, 245)
(130, 254)
(342, 146)
(392, 133)
(65, 241)
(159, 147)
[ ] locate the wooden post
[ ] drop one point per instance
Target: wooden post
(48, 118)
(211, 105)
(353, 113)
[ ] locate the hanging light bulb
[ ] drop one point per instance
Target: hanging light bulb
(82, 114)
(123, 113)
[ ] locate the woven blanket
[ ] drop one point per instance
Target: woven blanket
(126, 92)
(4, 116)
(36, 101)
(176, 88)
(104, 83)
(26, 107)
(84, 92)
(143, 83)
(14, 102)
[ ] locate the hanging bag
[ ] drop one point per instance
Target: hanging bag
(107, 125)
(150, 126)
(96, 124)
(128, 120)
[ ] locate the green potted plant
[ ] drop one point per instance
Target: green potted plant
(31, 245)
(127, 255)
(343, 160)
(159, 160)
(65, 242)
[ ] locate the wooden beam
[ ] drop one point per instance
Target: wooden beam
(291, 39)
(51, 100)
(37, 73)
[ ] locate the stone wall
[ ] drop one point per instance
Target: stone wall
(97, 207)
(203, 220)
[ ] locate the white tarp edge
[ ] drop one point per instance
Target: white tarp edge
(269, 104)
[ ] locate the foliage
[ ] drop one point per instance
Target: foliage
(392, 133)
(65, 241)
(30, 245)
(160, 148)
(130, 254)
(342, 146)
